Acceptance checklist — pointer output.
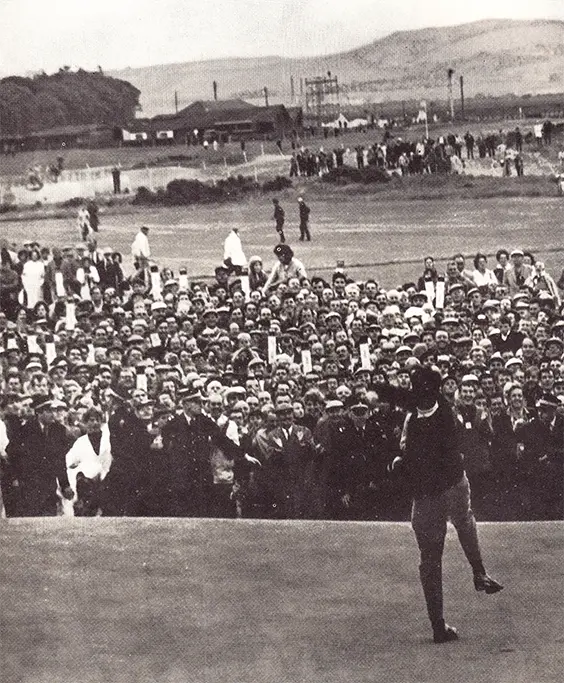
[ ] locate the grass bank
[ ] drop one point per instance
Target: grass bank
(416, 188)
(444, 187)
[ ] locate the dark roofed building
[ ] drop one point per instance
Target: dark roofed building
(216, 120)
(60, 137)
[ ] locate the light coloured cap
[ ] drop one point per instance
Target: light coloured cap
(513, 361)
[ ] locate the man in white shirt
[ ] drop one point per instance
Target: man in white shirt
(234, 258)
(84, 226)
(140, 249)
(4, 441)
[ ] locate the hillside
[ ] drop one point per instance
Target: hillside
(494, 56)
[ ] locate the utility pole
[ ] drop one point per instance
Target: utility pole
(176, 101)
(292, 93)
(462, 97)
(450, 74)
(215, 90)
(265, 96)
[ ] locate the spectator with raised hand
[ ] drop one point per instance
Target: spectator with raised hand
(287, 267)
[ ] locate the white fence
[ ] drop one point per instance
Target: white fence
(89, 182)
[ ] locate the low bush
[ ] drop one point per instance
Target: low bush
(277, 184)
(347, 174)
(73, 202)
(181, 192)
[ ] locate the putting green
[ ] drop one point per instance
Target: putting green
(151, 601)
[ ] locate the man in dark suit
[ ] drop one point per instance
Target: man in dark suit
(541, 449)
(290, 468)
(187, 441)
(279, 217)
(507, 339)
(304, 220)
(128, 485)
(108, 270)
(37, 455)
(359, 460)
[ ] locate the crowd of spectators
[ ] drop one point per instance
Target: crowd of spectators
(444, 154)
(269, 397)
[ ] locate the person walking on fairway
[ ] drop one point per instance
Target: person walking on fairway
(433, 467)
(279, 216)
(304, 218)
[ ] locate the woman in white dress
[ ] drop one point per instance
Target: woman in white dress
(483, 277)
(33, 275)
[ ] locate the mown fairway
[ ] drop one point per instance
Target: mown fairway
(356, 228)
(204, 601)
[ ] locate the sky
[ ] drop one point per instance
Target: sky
(47, 34)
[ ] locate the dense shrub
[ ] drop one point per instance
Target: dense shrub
(181, 191)
(73, 202)
(348, 174)
(277, 184)
(144, 196)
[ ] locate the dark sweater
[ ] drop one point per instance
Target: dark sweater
(432, 459)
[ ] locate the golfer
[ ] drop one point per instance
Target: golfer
(279, 217)
(433, 466)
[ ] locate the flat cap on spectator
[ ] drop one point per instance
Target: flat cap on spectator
(547, 401)
(39, 403)
(403, 350)
(521, 295)
(513, 361)
(34, 365)
(495, 356)
(190, 393)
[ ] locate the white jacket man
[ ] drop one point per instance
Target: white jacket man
(140, 249)
(91, 457)
(233, 255)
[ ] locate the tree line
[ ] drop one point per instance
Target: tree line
(64, 98)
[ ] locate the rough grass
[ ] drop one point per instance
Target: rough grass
(431, 187)
(382, 239)
(204, 601)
